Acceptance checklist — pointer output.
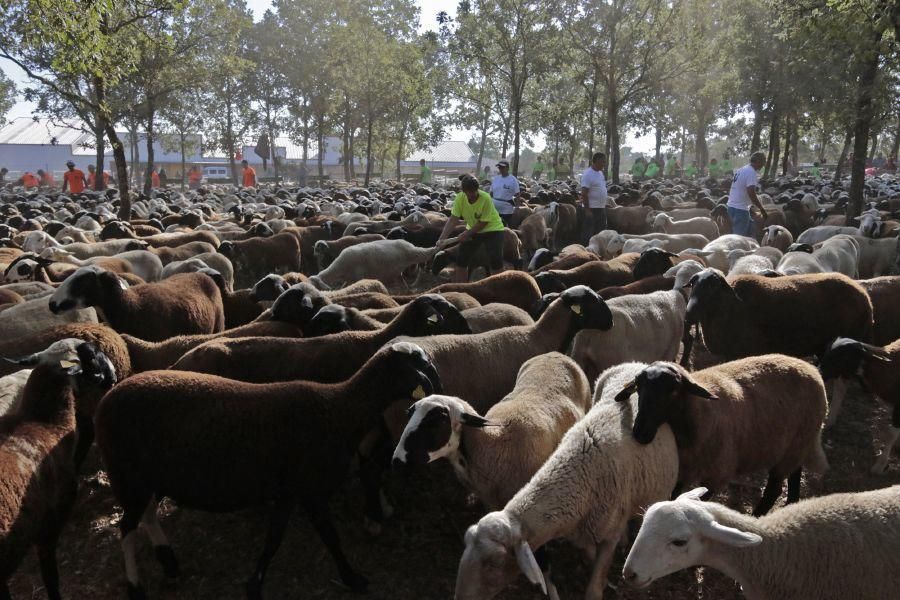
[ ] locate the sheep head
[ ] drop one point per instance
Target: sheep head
(72, 356)
(653, 261)
(847, 358)
(675, 535)
(496, 552)
(709, 289)
(269, 288)
(661, 388)
(590, 310)
(88, 286)
(298, 304)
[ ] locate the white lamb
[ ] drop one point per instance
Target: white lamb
(384, 260)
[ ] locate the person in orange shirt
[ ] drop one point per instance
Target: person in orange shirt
(29, 180)
(74, 179)
(46, 178)
(195, 176)
(154, 179)
(249, 174)
(92, 178)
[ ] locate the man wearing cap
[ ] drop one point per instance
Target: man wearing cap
(593, 197)
(505, 192)
(74, 179)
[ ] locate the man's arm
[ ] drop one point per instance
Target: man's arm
(449, 226)
(751, 191)
(584, 197)
(65, 182)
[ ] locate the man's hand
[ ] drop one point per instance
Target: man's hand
(465, 235)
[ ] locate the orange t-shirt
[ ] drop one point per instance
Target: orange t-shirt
(47, 179)
(195, 176)
(75, 179)
(92, 178)
(249, 177)
(29, 180)
(154, 179)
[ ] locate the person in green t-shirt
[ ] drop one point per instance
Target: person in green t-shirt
(426, 172)
(815, 172)
(483, 228)
(691, 171)
(639, 167)
(670, 166)
(715, 169)
(538, 168)
(551, 172)
(652, 170)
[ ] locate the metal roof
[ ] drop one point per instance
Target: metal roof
(41, 132)
(450, 152)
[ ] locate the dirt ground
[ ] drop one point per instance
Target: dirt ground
(415, 557)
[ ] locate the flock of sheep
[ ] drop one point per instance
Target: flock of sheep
(254, 348)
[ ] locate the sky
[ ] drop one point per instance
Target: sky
(429, 10)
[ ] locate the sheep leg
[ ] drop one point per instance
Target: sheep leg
(278, 521)
(793, 494)
(773, 489)
(602, 561)
(838, 391)
(49, 570)
(688, 341)
(890, 438)
(128, 530)
(543, 560)
(84, 424)
(321, 521)
(373, 460)
(161, 546)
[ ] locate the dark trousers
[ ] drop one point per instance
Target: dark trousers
(593, 221)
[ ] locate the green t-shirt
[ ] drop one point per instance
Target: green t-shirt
(815, 172)
(551, 174)
(637, 170)
(715, 170)
(691, 171)
(426, 174)
(670, 166)
(538, 167)
(652, 170)
(726, 166)
(482, 210)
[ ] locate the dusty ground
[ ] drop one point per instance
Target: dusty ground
(415, 557)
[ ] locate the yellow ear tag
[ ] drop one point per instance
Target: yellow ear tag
(576, 308)
(418, 393)
(432, 318)
(67, 364)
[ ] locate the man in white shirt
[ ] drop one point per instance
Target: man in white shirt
(593, 197)
(505, 192)
(743, 195)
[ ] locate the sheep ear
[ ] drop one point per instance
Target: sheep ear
(626, 392)
(70, 367)
(471, 420)
(692, 281)
(25, 361)
(694, 494)
(528, 564)
(729, 535)
(695, 389)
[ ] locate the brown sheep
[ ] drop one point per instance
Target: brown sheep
(183, 252)
(509, 287)
(594, 274)
(885, 295)
(255, 258)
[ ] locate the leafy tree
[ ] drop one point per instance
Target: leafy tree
(7, 95)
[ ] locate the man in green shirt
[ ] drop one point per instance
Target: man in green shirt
(426, 173)
(715, 169)
(637, 170)
(652, 170)
(670, 166)
(691, 171)
(538, 169)
(727, 168)
(815, 172)
(551, 172)
(483, 228)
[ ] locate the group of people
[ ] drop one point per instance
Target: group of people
(671, 167)
(74, 179)
(486, 215)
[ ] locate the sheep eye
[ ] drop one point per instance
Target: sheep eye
(679, 543)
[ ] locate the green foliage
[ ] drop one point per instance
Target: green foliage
(7, 95)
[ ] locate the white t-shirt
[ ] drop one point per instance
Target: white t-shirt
(503, 190)
(738, 197)
(595, 183)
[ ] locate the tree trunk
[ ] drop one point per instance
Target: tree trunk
(787, 146)
(774, 144)
(401, 143)
(182, 136)
(118, 149)
(614, 157)
(795, 145)
(756, 139)
(517, 132)
(351, 159)
(592, 116)
(658, 146)
(701, 150)
(845, 150)
(826, 137)
(874, 151)
(864, 115)
(895, 147)
(148, 182)
(99, 127)
(369, 124)
(273, 151)
(320, 141)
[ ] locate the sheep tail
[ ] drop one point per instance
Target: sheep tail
(816, 461)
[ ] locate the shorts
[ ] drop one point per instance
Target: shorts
(493, 247)
(741, 223)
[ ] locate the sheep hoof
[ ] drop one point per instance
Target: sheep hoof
(372, 527)
(136, 592)
(166, 558)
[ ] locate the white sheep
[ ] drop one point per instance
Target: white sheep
(697, 225)
(673, 242)
(384, 260)
(777, 236)
(814, 235)
(829, 548)
(716, 252)
(745, 262)
(35, 316)
(207, 260)
(598, 478)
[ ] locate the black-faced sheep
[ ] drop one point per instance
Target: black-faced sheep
(221, 445)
